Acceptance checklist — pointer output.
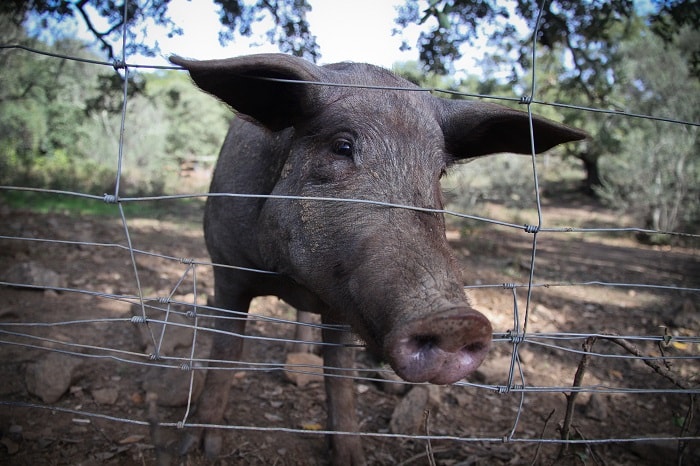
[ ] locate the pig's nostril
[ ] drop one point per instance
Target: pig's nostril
(476, 347)
(425, 342)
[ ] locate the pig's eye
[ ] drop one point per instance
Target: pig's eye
(342, 147)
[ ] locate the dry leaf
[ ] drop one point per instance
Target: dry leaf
(130, 439)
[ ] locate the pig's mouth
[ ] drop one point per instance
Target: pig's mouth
(441, 348)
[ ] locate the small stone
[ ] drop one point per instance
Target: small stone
(134, 438)
(11, 446)
(657, 451)
(32, 273)
(596, 408)
(105, 396)
(51, 376)
(394, 384)
(435, 395)
(273, 417)
(303, 368)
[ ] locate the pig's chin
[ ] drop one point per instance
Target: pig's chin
(442, 348)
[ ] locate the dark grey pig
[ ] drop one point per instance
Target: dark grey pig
(386, 271)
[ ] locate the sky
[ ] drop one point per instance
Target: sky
(358, 30)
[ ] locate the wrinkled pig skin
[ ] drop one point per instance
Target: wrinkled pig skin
(386, 271)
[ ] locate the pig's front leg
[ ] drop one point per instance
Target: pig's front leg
(340, 398)
(213, 401)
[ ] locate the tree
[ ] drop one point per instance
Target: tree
(584, 36)
(673, 16)
(582, 28)
(59, 130)
(656, 171)
(43, 116)
(290, 30)
(197, 122)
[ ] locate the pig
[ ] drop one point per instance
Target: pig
(348, 131)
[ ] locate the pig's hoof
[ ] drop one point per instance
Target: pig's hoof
(355, 458)
(348, 452)
(212, 444)
(190, 442)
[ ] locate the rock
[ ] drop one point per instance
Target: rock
(105, 396)
(32, 273)
(12, 439)
(658, 452)
(394, 384)
(312, 370)
(435, 395)
(51, 376)
(409, 414)
(10, 445)
(596, 408)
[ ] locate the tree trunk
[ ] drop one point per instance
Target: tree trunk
(592, 181)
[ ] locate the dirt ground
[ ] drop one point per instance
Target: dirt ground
(102, 417)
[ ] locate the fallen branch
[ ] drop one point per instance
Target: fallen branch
(539, 444)
(571, 397)
(658, 368)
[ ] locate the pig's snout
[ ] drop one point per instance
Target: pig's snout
(440, 348)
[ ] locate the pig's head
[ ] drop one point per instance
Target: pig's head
(387, 271)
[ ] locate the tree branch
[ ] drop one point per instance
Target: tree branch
(658, 368)
(80, 7)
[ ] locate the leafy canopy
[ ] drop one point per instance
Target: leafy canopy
(106, 20)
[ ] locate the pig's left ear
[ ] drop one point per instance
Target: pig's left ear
(248, 85)
(475, 128)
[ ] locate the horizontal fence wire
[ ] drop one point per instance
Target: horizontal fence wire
(156, 316)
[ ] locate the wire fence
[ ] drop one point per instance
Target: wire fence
(581, 365)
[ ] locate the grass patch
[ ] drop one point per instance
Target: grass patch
(54, 203)
(187, 209)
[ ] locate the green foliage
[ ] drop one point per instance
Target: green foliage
(197, 121)
(588, 30)
(290, 30)
(656, 171)
(42, 117)
(672, 17)
(647, 168)
(581, 39)
(60, 119)
(60, 130)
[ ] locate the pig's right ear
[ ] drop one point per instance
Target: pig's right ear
(475, 128)
(245, 84)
